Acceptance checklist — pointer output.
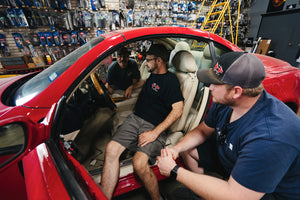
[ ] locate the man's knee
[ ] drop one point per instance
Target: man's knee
(184, 154)
(113, 150)
(190, 154)
(140, 161)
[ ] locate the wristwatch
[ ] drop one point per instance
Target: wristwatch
(173, 173)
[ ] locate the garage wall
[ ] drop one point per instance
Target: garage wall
(17, 52)
(258, 7)
(284, 31)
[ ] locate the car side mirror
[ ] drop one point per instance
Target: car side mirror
(12, 142)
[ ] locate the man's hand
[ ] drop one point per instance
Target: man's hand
(147, 137)
(174, 152)
(110, 88)
(165, 162)
(128, 92)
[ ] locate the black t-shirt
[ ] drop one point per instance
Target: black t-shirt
(122, 78)
(155, 101)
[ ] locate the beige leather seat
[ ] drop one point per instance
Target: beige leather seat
(185, 70)
(185, 46)
(206, 60)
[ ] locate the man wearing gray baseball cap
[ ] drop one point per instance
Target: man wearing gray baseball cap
(249, 137)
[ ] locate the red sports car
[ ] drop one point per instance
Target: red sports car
(54, 125)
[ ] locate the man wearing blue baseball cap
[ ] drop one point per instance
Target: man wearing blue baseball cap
(249, 137)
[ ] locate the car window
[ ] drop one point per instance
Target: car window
(38, 83)
(12, 141)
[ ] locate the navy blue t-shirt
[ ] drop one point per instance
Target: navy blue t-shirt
(155, 100)
(122, 78)
(262, 148)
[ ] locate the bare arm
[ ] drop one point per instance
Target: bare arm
(207, 187)
(138, 83)
(135, 84)
(150, 136)
(215, 188)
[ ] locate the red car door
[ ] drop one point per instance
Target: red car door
(15, 136)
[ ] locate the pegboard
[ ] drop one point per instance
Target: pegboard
(110, 7)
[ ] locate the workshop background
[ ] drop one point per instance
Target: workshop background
(36, 33)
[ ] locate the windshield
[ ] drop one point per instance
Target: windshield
(38, 83)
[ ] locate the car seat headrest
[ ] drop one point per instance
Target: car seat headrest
(184, 61)
(178, 47)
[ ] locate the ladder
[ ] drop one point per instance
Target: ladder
(216, 11)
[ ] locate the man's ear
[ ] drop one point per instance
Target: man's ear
(159, 59)
(238, 91)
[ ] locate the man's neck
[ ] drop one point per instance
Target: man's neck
(161, 69)
(242, 106)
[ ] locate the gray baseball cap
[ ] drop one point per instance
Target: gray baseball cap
(235, 68)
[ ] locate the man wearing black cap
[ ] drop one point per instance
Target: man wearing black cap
(249, 137)
(160, 103)
(123, 74)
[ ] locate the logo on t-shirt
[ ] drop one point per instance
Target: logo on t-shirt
(155, 87)
(129, 74)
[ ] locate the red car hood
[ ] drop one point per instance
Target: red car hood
(275, 66)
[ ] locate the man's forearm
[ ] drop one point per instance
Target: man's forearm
(176, 112)
(138, 84)
(209, 187)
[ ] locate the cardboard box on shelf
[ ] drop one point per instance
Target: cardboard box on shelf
(39, 61)
(31, 65)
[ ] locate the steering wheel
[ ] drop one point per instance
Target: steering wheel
(102, 90)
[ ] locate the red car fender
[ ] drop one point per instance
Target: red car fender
(41, 177)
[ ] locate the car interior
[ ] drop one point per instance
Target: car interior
(92, 115)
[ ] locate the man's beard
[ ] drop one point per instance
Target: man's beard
(123, 64)
(225, 101)
(151, 70)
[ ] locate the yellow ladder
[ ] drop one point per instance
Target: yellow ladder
(212, 25)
